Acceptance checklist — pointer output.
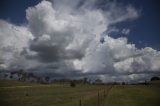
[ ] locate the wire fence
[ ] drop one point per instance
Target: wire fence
(97, 99)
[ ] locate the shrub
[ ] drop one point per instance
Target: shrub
(72, 84)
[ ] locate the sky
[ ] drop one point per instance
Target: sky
(107, 39)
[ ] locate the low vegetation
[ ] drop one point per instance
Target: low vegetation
(13, 93)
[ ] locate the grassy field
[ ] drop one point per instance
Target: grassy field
(13, 93)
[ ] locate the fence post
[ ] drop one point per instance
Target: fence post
(80, 102)
(98, 98)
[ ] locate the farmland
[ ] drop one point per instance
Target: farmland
(13, 93)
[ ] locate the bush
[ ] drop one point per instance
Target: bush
(72, 84)
(27, 94)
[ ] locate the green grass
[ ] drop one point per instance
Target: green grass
(12, 83)
(13, 93)
(134, 95)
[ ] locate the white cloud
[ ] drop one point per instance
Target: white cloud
(125, 31)
(13, 39)
(64, 38)
(112, 29)
(117, 56)
(118, 13)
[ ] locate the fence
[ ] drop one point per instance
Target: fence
(98, 99)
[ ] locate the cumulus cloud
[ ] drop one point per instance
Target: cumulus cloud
(65, 38)
(13, 39)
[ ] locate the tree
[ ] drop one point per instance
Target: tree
(123, 83)
(47, 78)
(98, 81)
(5, 75)
(11, 76)
(24, 76)
(155, 78)
(85, 80)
